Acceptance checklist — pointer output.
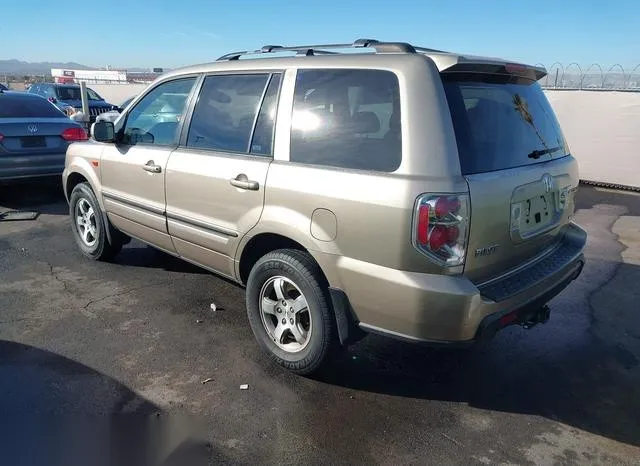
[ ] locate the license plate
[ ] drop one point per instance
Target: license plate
(33, 141)
(537, 211)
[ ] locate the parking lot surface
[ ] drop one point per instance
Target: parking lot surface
(135, 339)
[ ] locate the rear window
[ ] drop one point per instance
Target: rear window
(14, 106)
(501, 122)
(73, 93)
(347, 119)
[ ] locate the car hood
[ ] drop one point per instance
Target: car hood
(92, 103)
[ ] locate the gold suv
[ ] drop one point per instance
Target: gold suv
(394, 189)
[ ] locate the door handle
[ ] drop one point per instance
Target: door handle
(152, 167)
(241, 181)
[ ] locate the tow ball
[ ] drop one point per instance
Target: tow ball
(540, 317)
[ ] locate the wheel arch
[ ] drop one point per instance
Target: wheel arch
(255, 247)
(81, 171)
(259, 245)
(77, 174)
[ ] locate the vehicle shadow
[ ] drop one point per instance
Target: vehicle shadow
(592, 382)
(138, 254)
(581, 369)
(44, 196)
(75, 415)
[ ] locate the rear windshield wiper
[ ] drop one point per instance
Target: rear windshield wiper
(536, 154)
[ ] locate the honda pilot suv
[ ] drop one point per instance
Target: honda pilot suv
(393, 189)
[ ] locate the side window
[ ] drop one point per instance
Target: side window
(156, 117)
(48, 92)
(226, 109)
(347, 119)
(262, 142)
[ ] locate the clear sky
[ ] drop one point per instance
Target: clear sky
(147, 33)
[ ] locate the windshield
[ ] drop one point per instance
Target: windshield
(501, 122)
(73, 93)
(17, 106)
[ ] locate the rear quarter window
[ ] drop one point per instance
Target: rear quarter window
(501, 122)
(347, 119)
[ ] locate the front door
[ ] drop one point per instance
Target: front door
(215, 180)
(133, 169)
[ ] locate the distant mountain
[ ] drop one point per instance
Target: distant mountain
(22, 67)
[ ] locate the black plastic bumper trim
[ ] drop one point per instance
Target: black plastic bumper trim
(491, 324)
(566, 254)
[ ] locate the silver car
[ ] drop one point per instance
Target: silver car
(34, 136)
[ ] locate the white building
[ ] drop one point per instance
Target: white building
(89, 76)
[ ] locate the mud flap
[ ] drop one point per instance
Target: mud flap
(346, 322)
(113, 234)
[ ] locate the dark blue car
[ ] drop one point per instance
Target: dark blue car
(68, 95)
(34, 136)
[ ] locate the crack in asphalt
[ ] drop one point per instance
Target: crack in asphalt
(57, 278)
(612, 275)
(591, 290)
(119, 293)
(85, 307)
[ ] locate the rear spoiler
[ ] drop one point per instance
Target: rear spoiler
(534, 73)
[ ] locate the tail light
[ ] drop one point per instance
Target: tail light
(74, 134)
(440, 227)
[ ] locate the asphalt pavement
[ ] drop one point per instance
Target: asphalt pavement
(127, 345)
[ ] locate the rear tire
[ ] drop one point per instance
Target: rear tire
(88, 225)
(289, 310)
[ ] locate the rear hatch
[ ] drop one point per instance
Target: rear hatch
(517, 164)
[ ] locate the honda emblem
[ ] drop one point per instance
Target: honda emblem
(547, 181)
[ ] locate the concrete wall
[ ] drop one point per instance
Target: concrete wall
(116, 93)
(603, 131)
(602, 128)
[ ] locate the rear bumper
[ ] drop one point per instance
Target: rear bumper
(439, 309)
(495, 322)
(14, 167)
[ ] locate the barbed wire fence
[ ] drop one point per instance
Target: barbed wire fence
(594, 77)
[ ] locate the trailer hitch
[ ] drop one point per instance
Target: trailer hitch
(540, 317)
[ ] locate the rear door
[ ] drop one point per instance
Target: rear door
(517, 164)
(215, 181)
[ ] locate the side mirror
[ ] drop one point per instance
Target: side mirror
(53, 100)
(103, 131)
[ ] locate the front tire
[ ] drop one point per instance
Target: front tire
(289, 310)
(88, 225)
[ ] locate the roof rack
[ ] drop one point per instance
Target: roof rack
(320, 49)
